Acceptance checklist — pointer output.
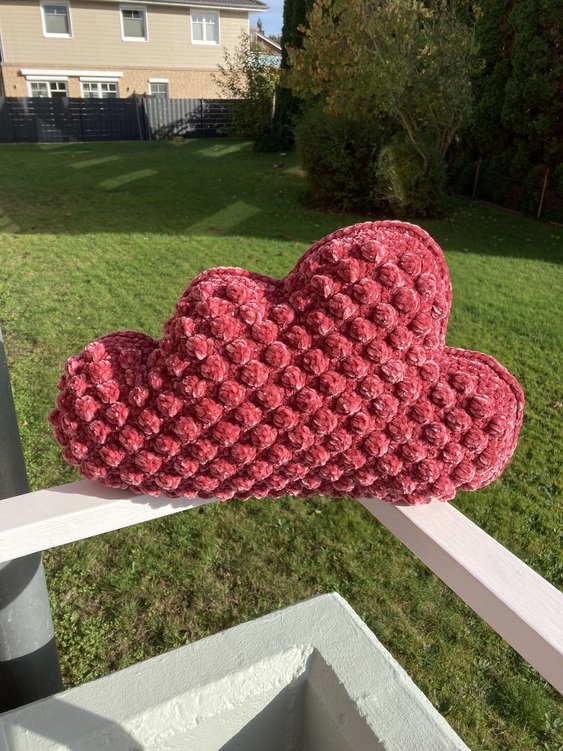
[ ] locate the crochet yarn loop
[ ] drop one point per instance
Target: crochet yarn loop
(335, 380)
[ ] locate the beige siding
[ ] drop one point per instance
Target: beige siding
(96, 38)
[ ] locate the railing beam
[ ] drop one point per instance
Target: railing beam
(525, 609)
(56, 516)
(521, 606)
(29, 665)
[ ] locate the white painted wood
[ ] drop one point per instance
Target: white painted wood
(56, 516)
(519, 604)
(511, 597)
(311, 677)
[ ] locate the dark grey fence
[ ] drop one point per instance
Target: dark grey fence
(60, 119)
(190, 118)
(536, 191)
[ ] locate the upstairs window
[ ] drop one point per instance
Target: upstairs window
(56, 19)
(205, 28)
(134, 24)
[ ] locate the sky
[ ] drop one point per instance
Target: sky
(271, 19)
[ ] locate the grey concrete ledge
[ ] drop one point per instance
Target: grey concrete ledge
(311, 677)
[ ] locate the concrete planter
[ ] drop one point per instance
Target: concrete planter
(311, 677)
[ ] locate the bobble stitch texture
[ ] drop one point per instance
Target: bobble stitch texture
(333, 380)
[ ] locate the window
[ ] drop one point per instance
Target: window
(99, 89)
(205, 28)
(47, 88)
(39, 89)
(56, 20)
(159, 89)
(134, 24)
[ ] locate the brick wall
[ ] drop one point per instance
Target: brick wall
(188, 84)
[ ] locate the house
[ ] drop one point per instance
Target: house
(260, 41)
(118, 48)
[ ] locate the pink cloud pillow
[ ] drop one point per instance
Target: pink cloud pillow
(335, 380)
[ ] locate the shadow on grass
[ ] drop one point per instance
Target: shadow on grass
(195, 187)
(213, 187)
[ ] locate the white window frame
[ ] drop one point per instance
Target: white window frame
(90, 80)
(194, 14)
(50, 34)
(34, 94)
(141, 9)
(159, 81)
(48, 80)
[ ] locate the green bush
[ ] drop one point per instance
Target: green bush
(339, 155)
(408, 185)
(496, 180)
(461, 172)
(273, 138)
(248, 79)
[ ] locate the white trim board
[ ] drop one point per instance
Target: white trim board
(36, 79)
(525, 609)
(78, 73)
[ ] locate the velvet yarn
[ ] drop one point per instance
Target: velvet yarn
(335, 380)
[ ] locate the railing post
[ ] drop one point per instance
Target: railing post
(29, 664)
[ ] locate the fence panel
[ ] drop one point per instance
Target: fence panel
(537, 192)
(188, 118)
(217, 117)
(6, 127)
(36, 119)
(111, 120)
(61, 119)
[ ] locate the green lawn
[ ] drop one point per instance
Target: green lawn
(100, 237)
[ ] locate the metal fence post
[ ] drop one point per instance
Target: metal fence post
(10, 110)
(476, 178)
(543, 192)
(137, 103)
(29, 664)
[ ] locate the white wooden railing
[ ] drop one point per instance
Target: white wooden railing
(519, 604)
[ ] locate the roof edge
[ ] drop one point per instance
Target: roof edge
(196, 4)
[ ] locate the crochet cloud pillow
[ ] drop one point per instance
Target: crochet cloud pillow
(335, 380)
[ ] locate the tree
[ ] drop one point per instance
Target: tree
(533, 108)
(288, 106)
(495, 40)
(406, 59)
(517, 127)
(249, 79)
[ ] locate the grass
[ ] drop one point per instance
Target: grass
(100, 237)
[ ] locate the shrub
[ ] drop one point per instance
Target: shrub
(408, 185)
(496, 180)
(461, 172)
(249, 79)
(339, 155)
